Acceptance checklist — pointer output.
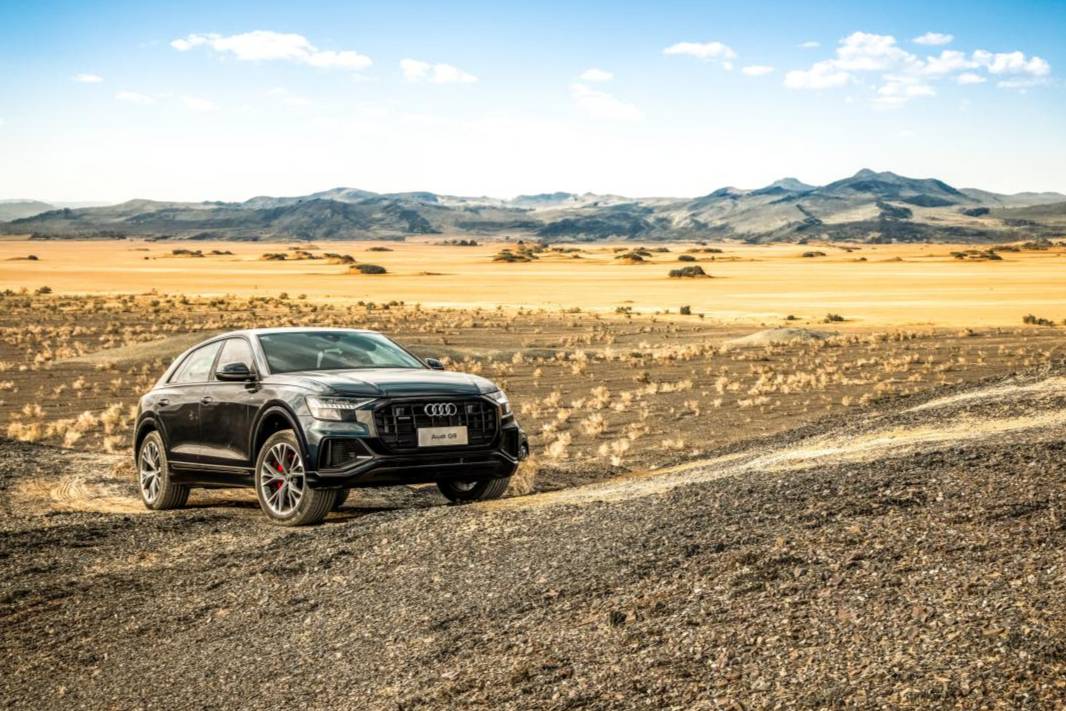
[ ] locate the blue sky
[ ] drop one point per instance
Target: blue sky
(192, 101)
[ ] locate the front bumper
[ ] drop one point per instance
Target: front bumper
(421, 469)
(367, 463)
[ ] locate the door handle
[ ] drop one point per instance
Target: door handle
(206, 400)
(164, 402)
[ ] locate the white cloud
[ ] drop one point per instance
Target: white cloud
(948, 62)
(601, 105)
(756, 70)
(595, 74)
(1022, 83)
(415, 70)
(905, 76)
(196, 103)
(264, 45)
(88, 78)
(967, 78)
(934, 38)
(898, 90)
(810, 44)
(133, 97)
(821, 75)
(867, 52)
(185, 44)
(1011, 63)
(705, 51)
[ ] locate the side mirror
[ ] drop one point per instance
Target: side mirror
(434, 364)
(235, 372)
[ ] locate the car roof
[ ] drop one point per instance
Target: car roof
(292, 329)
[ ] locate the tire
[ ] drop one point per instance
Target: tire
(281, 487)
(158, 492)
(342, 496)
(460, 492)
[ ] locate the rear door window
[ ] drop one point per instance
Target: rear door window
(197, 366)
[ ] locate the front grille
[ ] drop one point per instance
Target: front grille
(398, 422)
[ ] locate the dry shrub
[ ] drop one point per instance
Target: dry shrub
(600, 397)
(560, 448)
(674, 445)
(524, 480)
(615, 451)
(594, 425)
(23, 432)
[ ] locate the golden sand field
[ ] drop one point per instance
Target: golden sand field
(869, 285)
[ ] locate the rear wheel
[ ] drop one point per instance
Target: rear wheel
(464, 491)
(153, 476)
(281, 484)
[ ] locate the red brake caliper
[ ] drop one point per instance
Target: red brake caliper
(279, 482)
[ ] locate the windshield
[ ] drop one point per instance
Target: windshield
(332, 350)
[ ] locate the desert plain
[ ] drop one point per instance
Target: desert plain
(878, 285)
(865, 510)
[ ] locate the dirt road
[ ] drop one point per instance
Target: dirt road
(913, 557)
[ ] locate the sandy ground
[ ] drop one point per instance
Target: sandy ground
(894, 285)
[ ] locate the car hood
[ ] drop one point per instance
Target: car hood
(395, 382)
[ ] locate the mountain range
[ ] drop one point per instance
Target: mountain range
(868, 206)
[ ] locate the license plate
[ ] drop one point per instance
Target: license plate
(441, 436)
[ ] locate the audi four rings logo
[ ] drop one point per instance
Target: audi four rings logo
(441, 409)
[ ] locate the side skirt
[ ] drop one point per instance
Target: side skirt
(211, 475)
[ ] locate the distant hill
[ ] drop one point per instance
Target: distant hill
(1013, 200)
(1044, 214)
(868, 206)
(17, 209)
(889, 186)
(784, 187)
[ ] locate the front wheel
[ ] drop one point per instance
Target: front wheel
(281, 484)
(464, 491)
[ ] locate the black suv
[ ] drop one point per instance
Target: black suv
(305, 414)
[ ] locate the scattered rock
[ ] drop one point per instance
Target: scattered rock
(688, 272)
(366, 269)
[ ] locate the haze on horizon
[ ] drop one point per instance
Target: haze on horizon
(112, 101)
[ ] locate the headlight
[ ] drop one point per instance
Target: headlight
(501, 399)
(334, 408)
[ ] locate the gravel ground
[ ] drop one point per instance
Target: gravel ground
(924, 573)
